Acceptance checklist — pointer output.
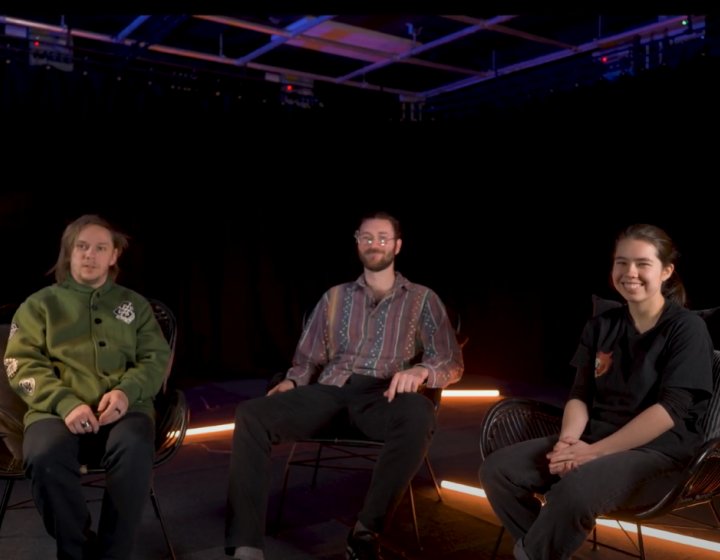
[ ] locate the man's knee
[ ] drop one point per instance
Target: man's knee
(497, 467)
(488, 470)
(134, 442)
(43, 448)
(571, 494)
(415, 411)
(249, 411)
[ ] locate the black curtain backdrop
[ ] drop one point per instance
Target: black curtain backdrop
(520, 270)
(241, 224)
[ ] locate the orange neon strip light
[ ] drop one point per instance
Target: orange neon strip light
(629, 527)
(470, 393)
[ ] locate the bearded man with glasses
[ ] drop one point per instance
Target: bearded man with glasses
(367, 348)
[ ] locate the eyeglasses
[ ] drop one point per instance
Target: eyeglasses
(369, 239)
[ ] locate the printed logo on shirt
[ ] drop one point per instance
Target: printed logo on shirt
(125, 312)
(10, 367)
(27, 386)
(603, 361)
(13, 330)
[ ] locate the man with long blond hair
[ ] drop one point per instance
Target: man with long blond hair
(87, 357)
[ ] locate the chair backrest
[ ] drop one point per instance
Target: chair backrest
(172, 414)
(711, 424)
(515, 419)
(456, 322)
(12, 411)
(168, 324)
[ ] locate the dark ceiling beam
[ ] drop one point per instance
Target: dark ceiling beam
(275, 42)
(274, 69)
(510, 31)
(427, 46)
(243, 24)
(646, 32)
(145, 31)
(158, 27)
(320, 41)
(132, 26)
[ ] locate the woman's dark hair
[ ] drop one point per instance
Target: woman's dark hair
(673, 288)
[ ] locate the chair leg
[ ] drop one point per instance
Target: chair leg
(158, 513)
(641, 546)
(5, 499)
(434, 478)
(497, 543)
(594, 538)
(715, 512)
(317, 465)
(414, 516)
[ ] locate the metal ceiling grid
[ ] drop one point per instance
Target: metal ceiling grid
(413, 56)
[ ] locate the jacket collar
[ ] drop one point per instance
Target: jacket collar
(71, 284)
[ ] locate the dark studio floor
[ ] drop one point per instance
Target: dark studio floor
(315, 522)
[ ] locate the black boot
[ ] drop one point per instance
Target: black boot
(363, 545)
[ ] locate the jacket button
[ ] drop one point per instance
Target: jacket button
(98, 320)
(102, 343)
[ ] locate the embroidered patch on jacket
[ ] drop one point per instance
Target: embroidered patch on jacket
(603, 361)
(10, 367)
(27, 386)
(125, 312)
(13, 330)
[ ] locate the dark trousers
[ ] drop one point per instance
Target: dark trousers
(53, 456)
(406, 425)
(513, 475)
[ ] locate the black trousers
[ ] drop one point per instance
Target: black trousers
(53, 456)
(406, 425)
(511, 477)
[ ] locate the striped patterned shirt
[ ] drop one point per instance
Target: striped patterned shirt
(348, 332)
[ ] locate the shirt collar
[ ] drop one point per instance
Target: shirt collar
(400, 282)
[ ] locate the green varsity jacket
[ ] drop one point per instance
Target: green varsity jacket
(69, 344)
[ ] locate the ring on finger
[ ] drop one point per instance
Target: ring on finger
(85, 424)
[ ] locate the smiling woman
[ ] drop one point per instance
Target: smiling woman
(644, 272)
(638, 408)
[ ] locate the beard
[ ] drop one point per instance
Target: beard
(376, 265)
